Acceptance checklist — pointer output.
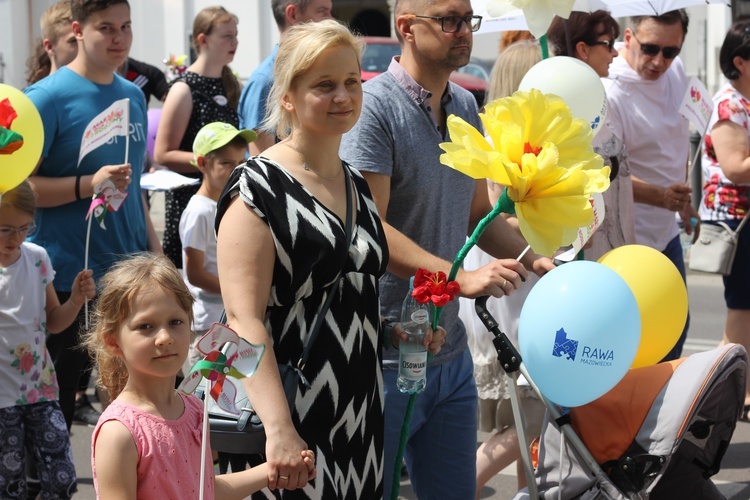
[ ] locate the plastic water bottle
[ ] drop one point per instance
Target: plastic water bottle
(687, 239)
(412, 355)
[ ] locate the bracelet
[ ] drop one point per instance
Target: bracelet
(74, 302)
(78, 187)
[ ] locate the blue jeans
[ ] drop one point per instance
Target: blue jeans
(674, 253)
(441, 452)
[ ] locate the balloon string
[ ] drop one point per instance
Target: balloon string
(503, 205)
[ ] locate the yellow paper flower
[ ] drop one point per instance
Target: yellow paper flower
(538, 13)
(544, 156)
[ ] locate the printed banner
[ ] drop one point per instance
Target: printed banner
(113, 121)
(584, 233)
(697, 105)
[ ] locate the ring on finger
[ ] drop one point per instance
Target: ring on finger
(505, 282)
(284, 477)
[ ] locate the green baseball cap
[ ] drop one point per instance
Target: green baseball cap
(216, 135)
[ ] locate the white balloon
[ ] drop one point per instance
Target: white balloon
(575, 82)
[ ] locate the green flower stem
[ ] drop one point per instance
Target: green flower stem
(503, 205)
(543, 44)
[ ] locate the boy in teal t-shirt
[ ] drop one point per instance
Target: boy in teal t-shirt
(68, 101)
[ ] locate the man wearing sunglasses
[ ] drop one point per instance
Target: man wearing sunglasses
(427, 210)
(647, 86)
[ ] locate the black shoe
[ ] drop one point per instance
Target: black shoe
(85, 413)
(744, 417)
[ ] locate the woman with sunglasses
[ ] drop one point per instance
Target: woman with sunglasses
(726, 174)
(590, 38)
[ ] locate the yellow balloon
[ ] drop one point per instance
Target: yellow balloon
(17, 165)
(661, 296)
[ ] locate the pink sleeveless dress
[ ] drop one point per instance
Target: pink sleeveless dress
(169, 451)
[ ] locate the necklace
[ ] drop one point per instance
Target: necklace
(310, 169)
(307, 167)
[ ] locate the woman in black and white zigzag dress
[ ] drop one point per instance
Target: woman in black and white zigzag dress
(281, 245)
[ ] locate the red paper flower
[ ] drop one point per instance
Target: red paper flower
(434, 287)
(7, 113)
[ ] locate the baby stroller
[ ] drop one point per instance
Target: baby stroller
(660, 433)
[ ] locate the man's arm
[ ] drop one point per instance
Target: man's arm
(500, 239)
(674, 197)
(406, 256)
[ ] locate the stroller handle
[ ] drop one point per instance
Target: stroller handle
(510, 360)
(507, 354)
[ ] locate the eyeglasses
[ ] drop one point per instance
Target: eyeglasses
(652, 50)
(452, 24)
(610, 44)
(6, 232)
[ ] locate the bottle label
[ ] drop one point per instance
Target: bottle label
(419, 316)
(413, 365)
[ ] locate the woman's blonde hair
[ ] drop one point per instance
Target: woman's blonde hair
(511, 66)
(299, 48)
(124, 281)
(21, 197)
(204, 23)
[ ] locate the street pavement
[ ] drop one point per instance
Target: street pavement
(707, 312)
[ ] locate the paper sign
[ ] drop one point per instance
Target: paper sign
(165, 180)
(697, 105)
(106, 198)
(113, 121)
(584, 233)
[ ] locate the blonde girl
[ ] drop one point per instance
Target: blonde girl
(30, 415)
(207, 92)
(147, 443)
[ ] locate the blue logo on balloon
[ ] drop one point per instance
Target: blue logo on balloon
(565, 347)
(586, 314)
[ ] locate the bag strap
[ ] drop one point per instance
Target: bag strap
(739, 227)
(334, 288)
(736, 232)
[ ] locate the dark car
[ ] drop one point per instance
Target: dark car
(380, 50)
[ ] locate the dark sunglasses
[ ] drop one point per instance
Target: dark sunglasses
(610, 44)
(652, 50)
(452, 24)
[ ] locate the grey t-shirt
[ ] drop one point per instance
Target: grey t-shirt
(429, 202)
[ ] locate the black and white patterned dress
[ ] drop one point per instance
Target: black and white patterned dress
(341, 416)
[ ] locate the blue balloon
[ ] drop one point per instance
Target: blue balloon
(579, 332)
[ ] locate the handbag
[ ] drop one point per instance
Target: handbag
(715, 248)
(244, 434)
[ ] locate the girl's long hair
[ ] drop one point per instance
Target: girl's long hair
(204, 23)
(124, 281)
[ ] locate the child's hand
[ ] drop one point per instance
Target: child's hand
(84, 287)
(309, 458)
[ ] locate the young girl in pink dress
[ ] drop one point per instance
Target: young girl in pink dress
(147, 442)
